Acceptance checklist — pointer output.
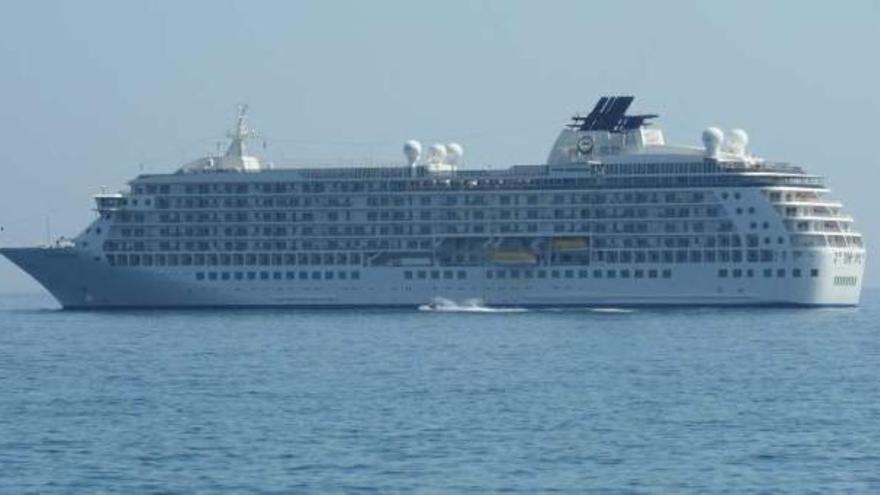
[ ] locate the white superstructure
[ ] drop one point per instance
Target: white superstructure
(615, 217)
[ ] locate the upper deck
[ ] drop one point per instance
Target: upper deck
(604, 149)
(594, 175)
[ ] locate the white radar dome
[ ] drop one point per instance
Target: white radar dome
(413, 150)
(437, 153)
(737, 140)
(712, 139)
(454, 152)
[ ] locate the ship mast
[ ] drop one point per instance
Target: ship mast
(239, 135)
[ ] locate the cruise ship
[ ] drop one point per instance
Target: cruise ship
(616, 216)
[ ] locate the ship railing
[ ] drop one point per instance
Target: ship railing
(60, 243)
(781, 167)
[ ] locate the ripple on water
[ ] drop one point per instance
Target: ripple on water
(568, 400)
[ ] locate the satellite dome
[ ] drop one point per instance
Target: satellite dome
(712, 139)
(413, 150)
(737, 140)
(454, 152)
(437, 153)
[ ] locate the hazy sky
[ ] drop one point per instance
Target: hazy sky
(92, 91)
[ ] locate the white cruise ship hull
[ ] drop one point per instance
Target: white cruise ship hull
(78, 281)
(615, 217)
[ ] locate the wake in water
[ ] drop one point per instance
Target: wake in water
(601, 310)
(612, 310)
(443, 305)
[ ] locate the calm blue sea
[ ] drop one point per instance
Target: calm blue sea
(569, 401)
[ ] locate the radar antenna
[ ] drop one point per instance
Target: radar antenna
(240, 134)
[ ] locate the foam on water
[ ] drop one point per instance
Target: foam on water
(612, 310)
(444, 305)
(576, 309)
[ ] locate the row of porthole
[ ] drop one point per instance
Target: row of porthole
(570, 273)
(767, 273)
(290, 275)
(540, 274)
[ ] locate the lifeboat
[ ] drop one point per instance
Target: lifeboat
(570, 244)
(514, 257)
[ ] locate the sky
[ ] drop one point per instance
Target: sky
(95, 92)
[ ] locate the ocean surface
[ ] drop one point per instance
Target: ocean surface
(566, 401)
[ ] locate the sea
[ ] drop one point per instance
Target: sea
(439, 400)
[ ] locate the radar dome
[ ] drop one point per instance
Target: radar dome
(454, 152)
(413, 150)
(712, 139)
(437, 153)
(737, 140)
